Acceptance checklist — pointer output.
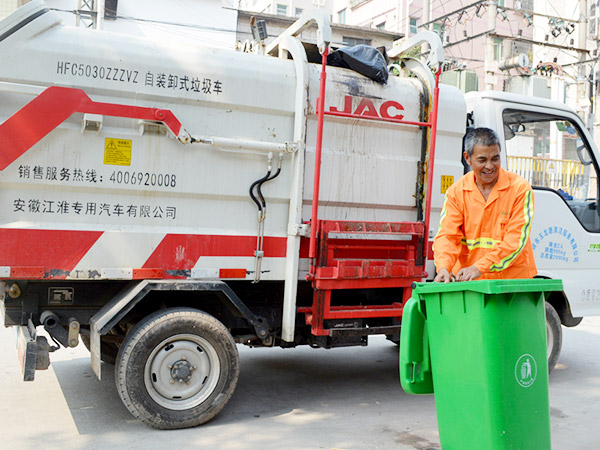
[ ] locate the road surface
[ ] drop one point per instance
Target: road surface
(292, 399)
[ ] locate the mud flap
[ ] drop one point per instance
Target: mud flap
(33, 351)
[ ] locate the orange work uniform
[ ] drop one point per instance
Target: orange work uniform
(492, 235)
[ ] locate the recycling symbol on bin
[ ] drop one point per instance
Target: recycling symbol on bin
(526, 370)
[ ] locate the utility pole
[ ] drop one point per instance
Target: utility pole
(90, 14)
(490, 75)
(582, 75)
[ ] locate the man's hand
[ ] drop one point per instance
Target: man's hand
(468, 274)
(443, 276)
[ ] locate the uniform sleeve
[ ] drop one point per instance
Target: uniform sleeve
(447, 242)
(516, 235)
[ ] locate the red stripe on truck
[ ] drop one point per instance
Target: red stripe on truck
(181, 251)
(52, 107)
(58, 250)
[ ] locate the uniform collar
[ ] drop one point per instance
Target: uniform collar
(503, 183)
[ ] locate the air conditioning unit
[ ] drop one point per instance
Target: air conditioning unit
(465, 80)
(531, 86)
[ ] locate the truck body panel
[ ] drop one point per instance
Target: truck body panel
(179, 208)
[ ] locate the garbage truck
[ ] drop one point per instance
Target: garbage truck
(163, 203)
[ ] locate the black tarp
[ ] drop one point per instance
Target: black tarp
(363, 59)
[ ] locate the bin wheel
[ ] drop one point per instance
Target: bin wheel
(177, 368)
(553, 336)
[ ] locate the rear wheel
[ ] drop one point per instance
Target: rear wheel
(553, 336)
(177, 369)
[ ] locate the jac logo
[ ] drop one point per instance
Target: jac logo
(388, 109)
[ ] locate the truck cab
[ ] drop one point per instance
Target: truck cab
(547, 143)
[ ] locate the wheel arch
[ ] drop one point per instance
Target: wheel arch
(560, 303)
(134, 294)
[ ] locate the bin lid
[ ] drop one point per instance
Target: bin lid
(491, 286)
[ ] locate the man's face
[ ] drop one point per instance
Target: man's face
(485, 162)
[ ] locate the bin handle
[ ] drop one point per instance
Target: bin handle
(415, 361)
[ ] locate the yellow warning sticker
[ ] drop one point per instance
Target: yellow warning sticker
(447, 181)
(117, 152)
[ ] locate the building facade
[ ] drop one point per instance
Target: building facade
(342, 35)
(289, 8)
(205, 22)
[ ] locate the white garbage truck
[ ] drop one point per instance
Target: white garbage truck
(164, 203)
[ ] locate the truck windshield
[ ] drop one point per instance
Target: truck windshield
(550, 152)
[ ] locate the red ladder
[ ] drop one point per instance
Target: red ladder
(339, 261)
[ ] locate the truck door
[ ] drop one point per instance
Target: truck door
(555, 154)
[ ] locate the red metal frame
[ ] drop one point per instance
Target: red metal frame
(312, 251)
(431, 159)
(341, 266)
(347, 261)
(379, 119)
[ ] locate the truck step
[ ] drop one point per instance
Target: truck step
(363, 255)
(355, 312)
(350, 250)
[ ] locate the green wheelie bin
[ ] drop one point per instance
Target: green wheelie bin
(480, 347)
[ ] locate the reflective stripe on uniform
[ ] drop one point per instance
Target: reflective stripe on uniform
(482, 242)
(525, 229)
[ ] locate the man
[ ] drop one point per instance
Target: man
(486, 219)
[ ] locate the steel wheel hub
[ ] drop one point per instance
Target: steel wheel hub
(182, 372)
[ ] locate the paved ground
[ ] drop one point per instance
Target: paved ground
(286, 399)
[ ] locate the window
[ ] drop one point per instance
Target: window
(498, 49)
(342, 16)
(527, 5)
(500, 2)
(593, 20)
(413, 25)
(299, 12)
(549, 152)
(355, 41)
(110, 9)
(281, 9)
(381, 26)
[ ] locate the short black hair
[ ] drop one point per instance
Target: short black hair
(480, 136)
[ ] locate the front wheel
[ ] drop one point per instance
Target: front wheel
(177, 369)
(553, 336)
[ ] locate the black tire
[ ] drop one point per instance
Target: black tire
(177, 368)
(553, 336)
(108, 350)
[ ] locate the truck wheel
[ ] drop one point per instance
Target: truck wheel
(108, 350)
(177, 368)
(553, 336)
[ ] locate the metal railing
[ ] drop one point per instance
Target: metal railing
(564, 174)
